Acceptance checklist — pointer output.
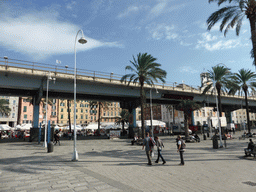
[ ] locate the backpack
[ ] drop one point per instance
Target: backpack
(183, 144)
(151, 143)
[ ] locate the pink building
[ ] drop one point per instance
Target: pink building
(26, 111)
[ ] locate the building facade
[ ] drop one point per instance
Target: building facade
(26, 111)
(10, 119)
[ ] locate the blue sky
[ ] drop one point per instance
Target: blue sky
(173, 31)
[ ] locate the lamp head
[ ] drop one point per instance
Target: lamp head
(82, 40)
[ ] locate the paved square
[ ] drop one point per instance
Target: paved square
(116, 165)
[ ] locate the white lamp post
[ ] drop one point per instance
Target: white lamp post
(46, 106)
(151, 112)
(82, 40)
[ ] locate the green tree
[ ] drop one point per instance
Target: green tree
(187, 106)
(100, 105)
(4, 107)
(145, 70)
(123, 118)
(242, 81)
(233, 15)
(220, 76)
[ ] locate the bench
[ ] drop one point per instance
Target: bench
(250, 152)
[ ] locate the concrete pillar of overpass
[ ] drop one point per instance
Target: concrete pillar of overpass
(192, 118)
(132, 122)
(35, 125)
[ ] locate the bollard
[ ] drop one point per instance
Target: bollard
(50, 147)
(215, 142)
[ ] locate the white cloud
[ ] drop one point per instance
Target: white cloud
(158, 9)
(211, 43)
(41, 35)
(162, 31)
(128, 11)
(71, 5)
(188, 69)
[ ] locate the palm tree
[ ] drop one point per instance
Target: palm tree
(242, 81)
(100, 105)
(219, 75)
(145, 70)
(187, 106)
(4, 107)
(123, 118)
(233, 15)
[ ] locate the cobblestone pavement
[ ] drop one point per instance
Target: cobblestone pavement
(116, 165)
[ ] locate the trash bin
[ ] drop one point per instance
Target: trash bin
(215, 144)
(50, 147)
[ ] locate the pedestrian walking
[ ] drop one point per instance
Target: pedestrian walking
(181, 148)
(56, 138)
(147, 143)
(159, 145)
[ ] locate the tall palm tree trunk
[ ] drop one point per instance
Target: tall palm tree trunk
(219, 102)
(69, 118)
(247, 111)
(186, 125)
(142, 111)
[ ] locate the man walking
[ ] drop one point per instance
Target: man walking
(181, 146)
(148, 149)
(159, 145)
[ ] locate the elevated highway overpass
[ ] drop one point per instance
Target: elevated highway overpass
(22, 78)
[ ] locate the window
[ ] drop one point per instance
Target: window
(86, 116)
(25, 109)
(61, 117)
(14, 102)
(82, 110)
(81, 116)
(62, 104)
(61, 110)
(53, 122)
(25, 116)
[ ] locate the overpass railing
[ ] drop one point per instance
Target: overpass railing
(97, 75)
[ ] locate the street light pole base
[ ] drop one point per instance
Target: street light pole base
(75, 156)
(45, 145)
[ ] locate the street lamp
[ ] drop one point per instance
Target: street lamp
(82, 40)
(151, 112)
(49, 78)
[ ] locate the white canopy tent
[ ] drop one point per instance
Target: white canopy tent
(5, 127)
(78, 127)
(154, 123)
(113, 125)
(23, 127)
(92, 126)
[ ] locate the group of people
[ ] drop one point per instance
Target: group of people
(149, 143)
